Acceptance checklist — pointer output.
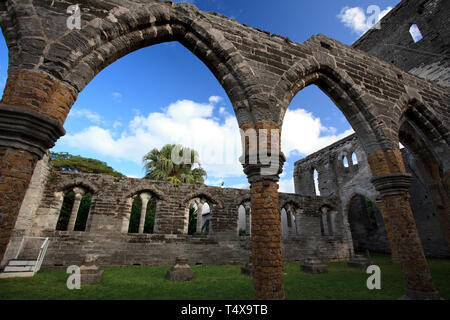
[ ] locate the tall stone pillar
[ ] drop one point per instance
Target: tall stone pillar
(126, 220)
(145, 197)
(392, 183)
(388, 226)
(25, 136)
(248, 219)
(324, 217)
(199, 226)
(79, 193)
(33, 109)
(262, 162)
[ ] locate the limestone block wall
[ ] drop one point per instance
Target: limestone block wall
(107, 230)
(347, 182)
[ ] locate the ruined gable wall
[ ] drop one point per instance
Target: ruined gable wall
(428, 58)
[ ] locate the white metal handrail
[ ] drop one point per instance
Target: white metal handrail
(41, 255)
(23, 240)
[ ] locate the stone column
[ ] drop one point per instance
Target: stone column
(145, 197)
(126, 219)
(324, 217)
(392, 183)
(200, 204)
(79, 193)
(390, 234)
(25, 136)
(248, 219)
(32, 111)
(263, 175)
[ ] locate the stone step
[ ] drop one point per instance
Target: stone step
(5, 275)
(18, 269)
(20, 262)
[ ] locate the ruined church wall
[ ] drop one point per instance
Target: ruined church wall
(346, 182)
(107, 234)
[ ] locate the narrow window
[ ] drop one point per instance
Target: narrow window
(316, 182)
(345, 162)
(66, 210)
(354, 158)
(415, 33)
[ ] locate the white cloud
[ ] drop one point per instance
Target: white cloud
(215, 99)
(286, 185)
(184, 122)
(356, 19)
(303, 133)
(92, 116)
(192, 124)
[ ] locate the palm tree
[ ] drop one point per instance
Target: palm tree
(160, 165)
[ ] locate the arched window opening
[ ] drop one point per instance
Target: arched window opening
(354, 158)
(316, 182)
(198, 214)
(75, 209)
(66, 210)
(138, 223)
(415, 33)
(242, 221)
(345, 161)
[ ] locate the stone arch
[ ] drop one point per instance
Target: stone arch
(78, 182)
(425, 138)
(322, 71)
(75, 57)
(245, 202)
(155, 192)
(202, 194)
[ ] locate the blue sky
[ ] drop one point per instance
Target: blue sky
(164, 94)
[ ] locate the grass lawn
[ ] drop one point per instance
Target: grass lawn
(222, 283)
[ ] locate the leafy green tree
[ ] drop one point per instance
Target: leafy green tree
(160, 165)
(64, 161)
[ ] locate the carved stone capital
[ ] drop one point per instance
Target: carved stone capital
(392, 184)
(28, 130)
(258, 171)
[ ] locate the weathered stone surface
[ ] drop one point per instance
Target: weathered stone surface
(313, 265)
(181, 271)
(358, 262)
(90, 273)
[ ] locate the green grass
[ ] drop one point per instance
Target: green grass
(222, 283)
